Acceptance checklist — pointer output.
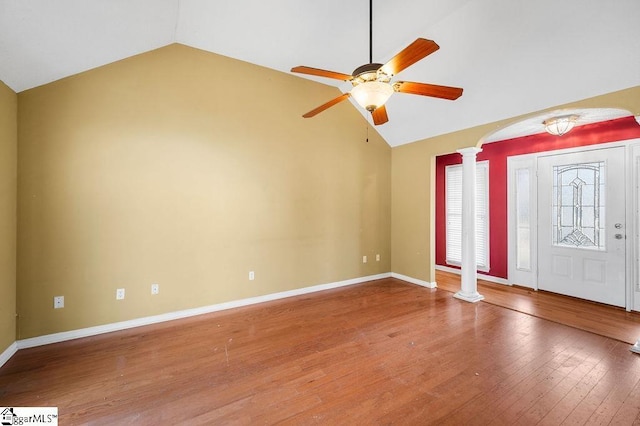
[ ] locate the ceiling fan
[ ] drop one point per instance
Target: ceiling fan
(372, 85)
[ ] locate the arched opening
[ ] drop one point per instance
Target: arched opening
(594, 128)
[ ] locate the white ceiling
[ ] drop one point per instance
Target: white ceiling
(512, 57)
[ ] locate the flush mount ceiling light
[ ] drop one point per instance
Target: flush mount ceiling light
(558, 126)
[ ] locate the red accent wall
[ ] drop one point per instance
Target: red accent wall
(497, 153)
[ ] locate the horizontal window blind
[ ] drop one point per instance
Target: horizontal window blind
(453, 201)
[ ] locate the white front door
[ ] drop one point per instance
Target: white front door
(581, 225)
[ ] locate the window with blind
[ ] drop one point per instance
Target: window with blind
(453, 201)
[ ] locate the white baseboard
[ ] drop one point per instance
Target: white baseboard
(483, 277)
(414, 280)
(8, 353)
(108, 328)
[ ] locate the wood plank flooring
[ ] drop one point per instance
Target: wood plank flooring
(382, 352)
(597, 318)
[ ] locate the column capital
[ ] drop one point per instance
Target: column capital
(471, 151)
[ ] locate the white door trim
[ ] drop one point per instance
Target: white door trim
(632, 174)
(633, 236)
(516, 273)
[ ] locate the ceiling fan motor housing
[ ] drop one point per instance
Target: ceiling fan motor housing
(369, 72)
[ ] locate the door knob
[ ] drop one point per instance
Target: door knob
(618, 226)
(618, 236)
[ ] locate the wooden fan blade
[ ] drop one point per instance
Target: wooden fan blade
(329, 104)
(321, 73)
(380, 115)
(410, 55)
(433, 90)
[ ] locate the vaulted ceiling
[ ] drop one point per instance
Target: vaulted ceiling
(512, 57)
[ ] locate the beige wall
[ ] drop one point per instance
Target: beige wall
(413, 184)
(8, 187)
(189, 169)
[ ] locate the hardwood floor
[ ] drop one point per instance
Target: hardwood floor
(598, 318)
(382, 352)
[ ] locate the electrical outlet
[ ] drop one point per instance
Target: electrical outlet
(155, 288)
(58, 302)
(120, 294)
(252, 275)
(364, 259)
(377, 258)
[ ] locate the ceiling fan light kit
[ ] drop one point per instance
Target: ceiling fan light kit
(372, 94)
(372, 86)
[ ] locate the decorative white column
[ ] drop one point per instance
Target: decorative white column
(469, 280)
